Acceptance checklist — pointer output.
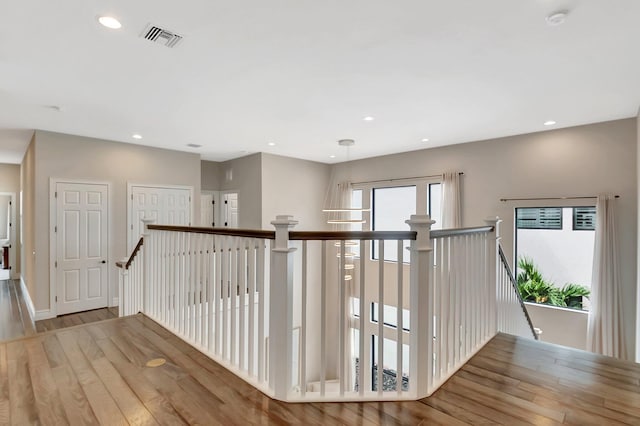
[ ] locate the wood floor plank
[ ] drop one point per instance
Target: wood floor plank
(22, 401)
(74, 400)
(132, 408)
(45, 390)
(159, 407)
(102, 403)
(5, 416)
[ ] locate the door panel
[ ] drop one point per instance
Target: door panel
(81, 247)
(207, 216)
(166, 206)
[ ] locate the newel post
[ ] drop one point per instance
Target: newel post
(493, 265)
(123, 284)
(421, 306)
(145, 285)
(281, 309)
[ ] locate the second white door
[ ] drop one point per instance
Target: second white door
(81, 247)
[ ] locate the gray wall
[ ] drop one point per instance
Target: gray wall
(62, 156)
(210, 175)
(244, 176)
(584, 160)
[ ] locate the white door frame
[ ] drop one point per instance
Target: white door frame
(130, 187)
(53, 255)
(12, 236)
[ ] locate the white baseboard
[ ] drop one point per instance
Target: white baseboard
(27, 298)
(44, 314)
(115, 302)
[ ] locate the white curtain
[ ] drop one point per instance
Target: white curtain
(606, 326)
(451, 216)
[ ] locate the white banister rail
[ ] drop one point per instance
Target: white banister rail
(326, 316)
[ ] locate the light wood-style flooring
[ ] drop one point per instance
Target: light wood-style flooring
(14, 314)
(16, 322)
(96, 374)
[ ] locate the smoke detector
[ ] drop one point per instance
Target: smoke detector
(557, 18)
(161, 36)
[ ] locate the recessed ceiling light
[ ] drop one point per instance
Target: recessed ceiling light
(194, 145)
(549, 123)
(271, 144)
(55, 108)
(368, 118)
(332, 156)
(110, 22)
(425, 140)
(557, 18)
(136, 136)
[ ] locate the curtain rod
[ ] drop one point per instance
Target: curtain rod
(552, 198)
(398, 179)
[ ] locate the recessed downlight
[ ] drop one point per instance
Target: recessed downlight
(136, 136)
(368, 118)
(549, 123)
(425, 139)
(332, 156)
(271, 143)
(194, 145)
(109, 22)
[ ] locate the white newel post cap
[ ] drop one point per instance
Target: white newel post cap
(421, 223)
(147, 221)
(495, 222)
(283, 224)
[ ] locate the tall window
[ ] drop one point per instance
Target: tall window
(391, 208)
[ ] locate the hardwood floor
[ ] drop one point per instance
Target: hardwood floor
(15, 321)
(96, 374)
(14, 314)
(79, 318)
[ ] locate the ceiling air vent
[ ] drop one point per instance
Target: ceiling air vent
(161, 36)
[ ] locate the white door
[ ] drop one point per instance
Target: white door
(207, 210)
(81, 246)
(166, 206)
(231, 210)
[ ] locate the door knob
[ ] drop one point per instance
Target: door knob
(104, 261)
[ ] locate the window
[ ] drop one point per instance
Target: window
(391, 316)
(539, 218)
(391, 208)
(554, 264)
(584, 218)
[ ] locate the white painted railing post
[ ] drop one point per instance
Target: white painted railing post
(421, 307)
(281, 309)
(493, 265)
(146, 268)
(122, 286)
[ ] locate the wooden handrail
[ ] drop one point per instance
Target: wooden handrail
(134, 253)
(352, 235)
(441, 233)
(249, 233)
(514, 284)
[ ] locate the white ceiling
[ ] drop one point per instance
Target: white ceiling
(304, 73)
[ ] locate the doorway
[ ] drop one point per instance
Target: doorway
(230, 209)
(166, 205)
(7, 235)
(80, 246)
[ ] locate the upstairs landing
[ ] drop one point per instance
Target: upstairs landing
(96, 374)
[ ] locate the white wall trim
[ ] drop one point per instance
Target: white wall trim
(53, 255)
(44, 314)
(27, 297)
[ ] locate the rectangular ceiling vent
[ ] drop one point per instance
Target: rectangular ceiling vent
(161, 36)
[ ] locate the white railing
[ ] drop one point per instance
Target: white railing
(299, 314)
(512, 315)
(130, 282)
